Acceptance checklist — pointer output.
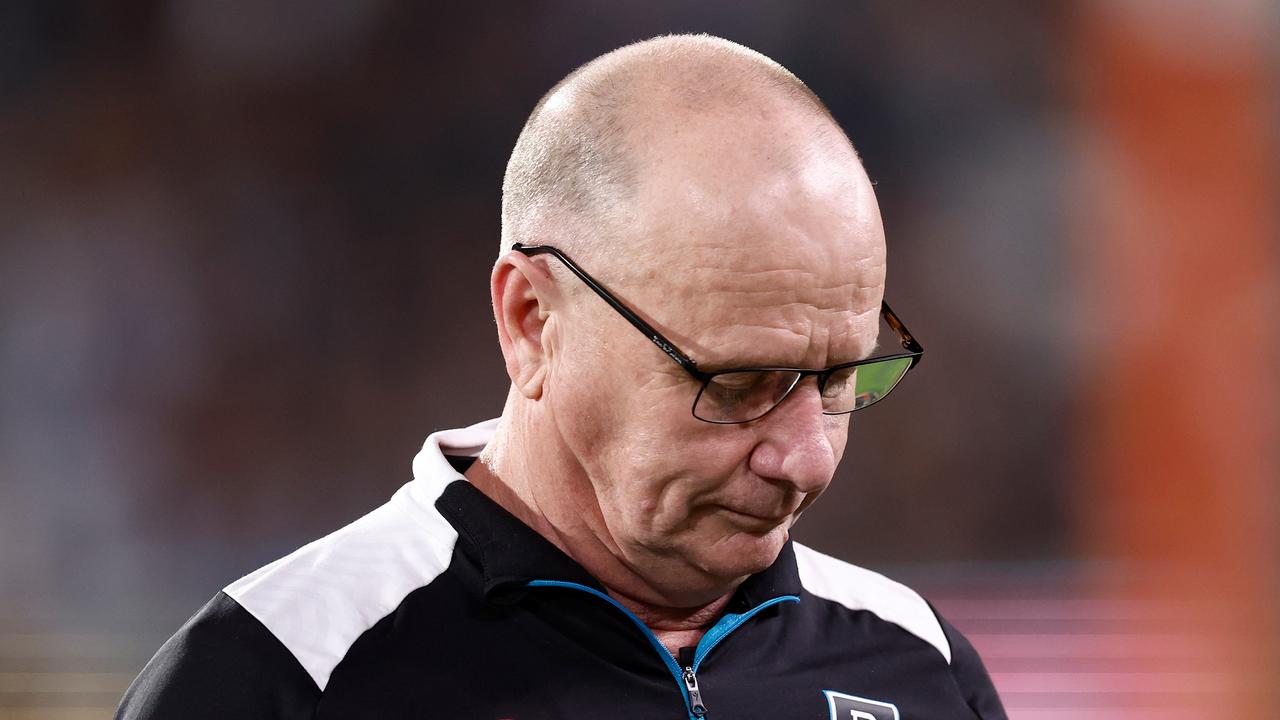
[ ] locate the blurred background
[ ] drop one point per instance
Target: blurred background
(244, 250)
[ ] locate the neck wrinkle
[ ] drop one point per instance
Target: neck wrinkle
(659, 618)
(509, 471)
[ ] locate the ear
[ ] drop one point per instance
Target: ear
(523, 292)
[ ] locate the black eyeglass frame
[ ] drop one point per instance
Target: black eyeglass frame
(913, 348)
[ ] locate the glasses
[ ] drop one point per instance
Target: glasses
(740, 395)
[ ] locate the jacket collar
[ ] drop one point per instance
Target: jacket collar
(510, 553)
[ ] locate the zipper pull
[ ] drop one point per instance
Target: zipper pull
(695, 695)
(696, 706)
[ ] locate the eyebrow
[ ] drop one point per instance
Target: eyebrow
(752, 362)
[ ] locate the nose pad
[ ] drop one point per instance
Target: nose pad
(798, 392)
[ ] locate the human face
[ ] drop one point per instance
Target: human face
(776, 264)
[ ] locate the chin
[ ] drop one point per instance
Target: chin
(747, 553)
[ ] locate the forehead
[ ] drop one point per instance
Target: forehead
(754, 258)
(773, 184)
(738, 307)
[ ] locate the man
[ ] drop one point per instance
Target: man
(616, 544)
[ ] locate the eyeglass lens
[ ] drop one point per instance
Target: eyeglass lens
(742, 396)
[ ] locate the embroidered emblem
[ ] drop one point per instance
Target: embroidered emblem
(850, 707)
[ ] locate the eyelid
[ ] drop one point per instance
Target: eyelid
(713, 368)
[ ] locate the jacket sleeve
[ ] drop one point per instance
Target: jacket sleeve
(971, 675)
(222, 663)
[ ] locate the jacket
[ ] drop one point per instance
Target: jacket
(440, 604)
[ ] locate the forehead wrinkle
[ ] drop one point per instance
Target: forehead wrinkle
(781, 287)
(735, 270)
(789, 334)
(815, 296)
(779, 253)
(743, 344)
(722, 353)
(717, 310)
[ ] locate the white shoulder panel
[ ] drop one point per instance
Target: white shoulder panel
(861, 589)
(320, 599)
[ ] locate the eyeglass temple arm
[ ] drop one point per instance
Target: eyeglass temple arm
(908, 340)
(664, 344)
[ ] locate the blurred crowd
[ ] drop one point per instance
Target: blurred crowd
(245, 252)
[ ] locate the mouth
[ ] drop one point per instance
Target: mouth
(755, 521)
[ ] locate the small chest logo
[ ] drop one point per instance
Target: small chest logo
(850, 707)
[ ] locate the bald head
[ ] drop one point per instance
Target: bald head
(594, 138)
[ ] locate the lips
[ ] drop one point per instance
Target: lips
(759, 518)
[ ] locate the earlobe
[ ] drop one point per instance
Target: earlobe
(521, 292)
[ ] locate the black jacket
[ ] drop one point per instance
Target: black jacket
(440, 604)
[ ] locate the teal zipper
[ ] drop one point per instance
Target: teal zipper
(728, 624)
(686, 678)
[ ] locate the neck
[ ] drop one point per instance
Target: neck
(556, 500)
(675, 627)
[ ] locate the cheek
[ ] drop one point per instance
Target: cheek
(633, 443)
(596, 402)
(650, 463)
(691, 472)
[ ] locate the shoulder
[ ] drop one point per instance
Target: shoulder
(318, 600)
(858, 588)
(221, 663)
(267, 644)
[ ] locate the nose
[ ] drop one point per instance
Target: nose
(795, 447)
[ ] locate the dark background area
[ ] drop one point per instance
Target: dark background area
(251, 256)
